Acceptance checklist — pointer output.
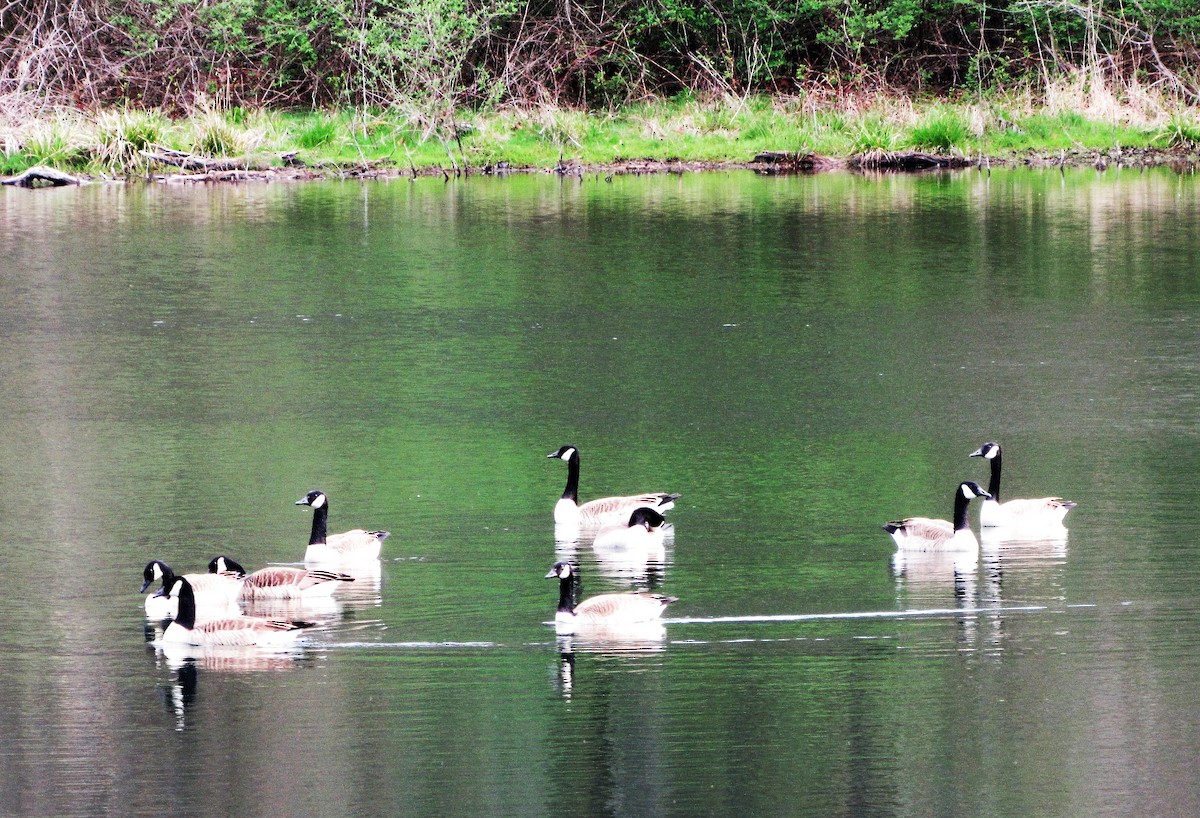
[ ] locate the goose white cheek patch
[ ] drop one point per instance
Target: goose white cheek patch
(318, 501)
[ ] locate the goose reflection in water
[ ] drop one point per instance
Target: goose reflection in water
(631, 640)
(181, 693)
(185, 663)
(644, 571)
(365, 591)
(937, 577)
(940, 579)
(640, 557)
(1023, 571)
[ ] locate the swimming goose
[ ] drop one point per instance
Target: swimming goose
(215, 594)
(602, 610)
(280, 581)
(644, 530)
(925, 534)
(1042, 513)
(234, 631)
(603, 510)
(349, 546)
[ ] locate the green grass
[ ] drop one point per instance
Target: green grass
(941, 130)
(724, 129)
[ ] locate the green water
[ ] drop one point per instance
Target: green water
(803, 358)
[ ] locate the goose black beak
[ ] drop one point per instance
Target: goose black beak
(303, 501)
(145, 585)
(976, 453)
(552, 575)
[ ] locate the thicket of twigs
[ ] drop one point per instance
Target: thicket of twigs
(434, 56)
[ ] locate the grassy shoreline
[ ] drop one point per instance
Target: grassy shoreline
(684, 134)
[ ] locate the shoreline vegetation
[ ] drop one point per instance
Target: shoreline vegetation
(760, 133)
(242, 89)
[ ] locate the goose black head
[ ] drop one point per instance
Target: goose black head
(154, 570)
(987, 451)
(646, 517)
(314, 498)
(970, 489)
(564, 453)
(560, 570)
(224, 565)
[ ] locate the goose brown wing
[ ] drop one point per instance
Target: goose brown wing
(628, 607)
(247, 630)
(924, 528)
(355, 539)
(276, 576)
(615, 506)
(1036, 508)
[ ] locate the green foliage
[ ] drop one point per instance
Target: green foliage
(873, 133)
(215, 135)
(941, 131)
(1181, 131)
(14, 163)
(53, 144)
(318, 134)
(434, 58)
(121, 136)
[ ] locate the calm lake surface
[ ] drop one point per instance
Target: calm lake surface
(803, 358)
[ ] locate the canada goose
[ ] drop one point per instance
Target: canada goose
(925, 534)
(241, 630)
(215, 594)
(280, 581)
(349, 546)
(1042, 513)
(644, 530)
(605, 509)
(605, 609)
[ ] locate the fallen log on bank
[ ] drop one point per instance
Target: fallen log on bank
(903, 160)
(40, 176)
(189, 161)
(792, 162)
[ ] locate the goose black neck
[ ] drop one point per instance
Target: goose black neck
(168, 576)
(320, 521)
(566, 593)
(994, 480)
(571, 492)
(186, 615)
(960, 509)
